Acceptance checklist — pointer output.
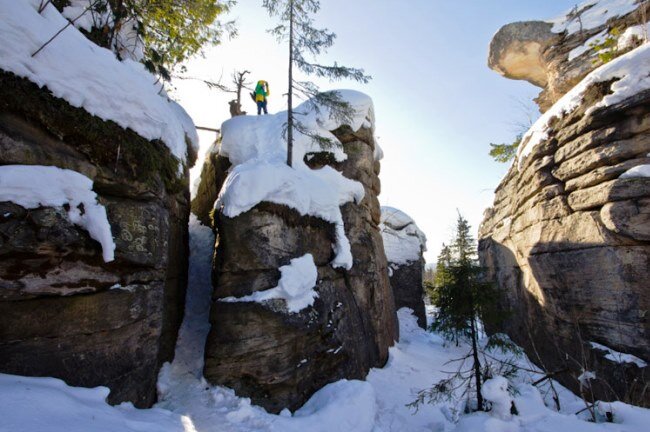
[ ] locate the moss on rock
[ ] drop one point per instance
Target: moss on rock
(99, 140)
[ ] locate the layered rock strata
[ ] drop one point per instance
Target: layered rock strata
(567, 238)
(64, 311)
(277, 358)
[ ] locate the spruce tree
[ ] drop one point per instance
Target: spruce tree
(297, 28)
(445, 297)
(463, 300)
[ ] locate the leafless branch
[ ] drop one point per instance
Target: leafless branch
(70, 22)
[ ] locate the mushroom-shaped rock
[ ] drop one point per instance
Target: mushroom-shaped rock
(516, 51)
(556, 54)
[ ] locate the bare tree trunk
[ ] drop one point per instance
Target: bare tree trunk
(240, 82)
(477, 365)
(239, 79)
(290, 94)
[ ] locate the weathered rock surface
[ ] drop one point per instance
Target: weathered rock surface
(405, 244)
(64, 312)
(516, 51)
(280, 359)
(550, 58)
(567, 242)
(213, 174)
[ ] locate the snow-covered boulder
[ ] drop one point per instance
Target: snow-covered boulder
(93, 210)
(567, 237)
(555, 54)
(404, 244)
(302, 296)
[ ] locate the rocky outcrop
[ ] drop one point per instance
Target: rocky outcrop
(279, 359)
(555, 55)
(516, 51)
(213, 175)
(64, 312)
(405, 244)
(566, 240)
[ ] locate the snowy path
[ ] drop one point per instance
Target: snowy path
(377, 405)
(189, 404)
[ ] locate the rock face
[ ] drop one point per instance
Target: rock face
(555, 55)
(567, 243)
(404, 244)
(516, 51)
(64, 312)
(280, 359)
(213, 175)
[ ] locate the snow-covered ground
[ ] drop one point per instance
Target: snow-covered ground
(187, 403)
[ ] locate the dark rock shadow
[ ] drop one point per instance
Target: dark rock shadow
(577, 294)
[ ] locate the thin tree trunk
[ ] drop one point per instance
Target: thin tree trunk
(290, 94)
(477, 365)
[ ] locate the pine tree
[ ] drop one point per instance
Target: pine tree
(505, 152)
(304, 39)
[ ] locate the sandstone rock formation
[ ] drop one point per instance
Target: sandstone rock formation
(213, 175)
(404, 244)
(567, 237)
(64, 312)
(280, 359)
(556, 55)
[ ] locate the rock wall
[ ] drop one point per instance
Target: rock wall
(405, 244)
(408, 289)
(213, 174)
(64, 312)
(568, 242)
(280, 359)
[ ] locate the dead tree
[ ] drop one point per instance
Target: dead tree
(239, 79)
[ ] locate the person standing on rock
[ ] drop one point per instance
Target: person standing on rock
(261, 93)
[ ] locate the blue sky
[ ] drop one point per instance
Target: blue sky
(437, 104)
